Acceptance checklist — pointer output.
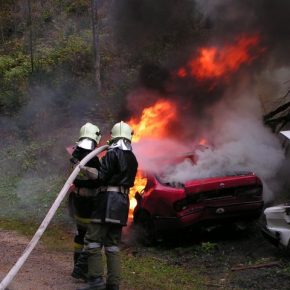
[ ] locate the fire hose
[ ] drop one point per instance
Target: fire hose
(14, 270)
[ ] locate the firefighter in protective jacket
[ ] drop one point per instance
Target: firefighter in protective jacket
(81, 198)
(116, 175)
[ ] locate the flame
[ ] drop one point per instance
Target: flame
(153, 123)
(216, 62)
(211, 63)
(154, 120)
(139, 185)
(202, 141)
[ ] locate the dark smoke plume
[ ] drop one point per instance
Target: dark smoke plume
(227, 113)
(270, 18)
(143, 23)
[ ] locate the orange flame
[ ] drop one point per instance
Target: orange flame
(202, 141)
(139, 185)
(214, 62)
(154, 120)
(153, 123)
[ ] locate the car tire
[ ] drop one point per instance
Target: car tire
(145, 228)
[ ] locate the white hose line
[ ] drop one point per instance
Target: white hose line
(12, 273)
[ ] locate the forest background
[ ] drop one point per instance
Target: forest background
(63, 63)
(66, 62)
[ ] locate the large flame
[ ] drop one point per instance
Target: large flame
(154, 120)
(217, 62)
(211, 63)
(153, 123)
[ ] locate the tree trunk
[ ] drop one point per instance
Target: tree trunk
(2, 21)
(29, 26)
(2, 33)
(96, 45)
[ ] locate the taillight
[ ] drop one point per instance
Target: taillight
(250, 191)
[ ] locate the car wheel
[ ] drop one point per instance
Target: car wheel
(145, 228)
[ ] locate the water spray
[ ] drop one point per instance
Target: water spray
(14, 270)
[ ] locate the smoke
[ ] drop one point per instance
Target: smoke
(237, 141)
(53, 102)
(227, 113)
(159, 37)
(153, 155)
(147, 24)
(34, 161)
(240, 143)
(269, 18)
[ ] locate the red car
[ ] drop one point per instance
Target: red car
(163, 207)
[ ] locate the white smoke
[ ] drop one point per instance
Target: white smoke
(240, 142)
(154, 154)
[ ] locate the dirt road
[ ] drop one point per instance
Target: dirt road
(44, 269)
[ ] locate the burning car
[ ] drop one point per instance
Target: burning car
(205, 202)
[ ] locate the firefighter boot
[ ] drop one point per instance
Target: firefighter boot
(95, 284)
(76, 257)
(80, 269)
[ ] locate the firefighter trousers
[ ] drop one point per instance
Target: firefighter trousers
(108, 236)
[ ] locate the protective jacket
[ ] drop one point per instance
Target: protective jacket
(81, 200)
(116, 175)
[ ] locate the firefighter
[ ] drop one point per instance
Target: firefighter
(80, 199)
(116, 175)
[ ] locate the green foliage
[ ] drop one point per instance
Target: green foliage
(14, 70)
(285, 270)
(73, 51)
(158, 275)
(77, 6)
(54, 237)
(24, 193)
(208, 247)
(47, 15)
(29, 197)
(9, 18)
(14, 67)
(10, 100)
(26, 156)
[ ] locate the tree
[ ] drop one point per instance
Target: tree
(96, 45)
(29, 26)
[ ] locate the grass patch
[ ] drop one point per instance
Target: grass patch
(138, 272)
(150, 273)
(54, 238)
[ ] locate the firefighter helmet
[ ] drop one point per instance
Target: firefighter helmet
(90, 131)
(121, 130)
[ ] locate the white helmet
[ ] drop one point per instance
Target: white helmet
(90, 131)
(121, 130)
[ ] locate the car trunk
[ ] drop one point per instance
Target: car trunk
(224, 197)
(219, 184)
